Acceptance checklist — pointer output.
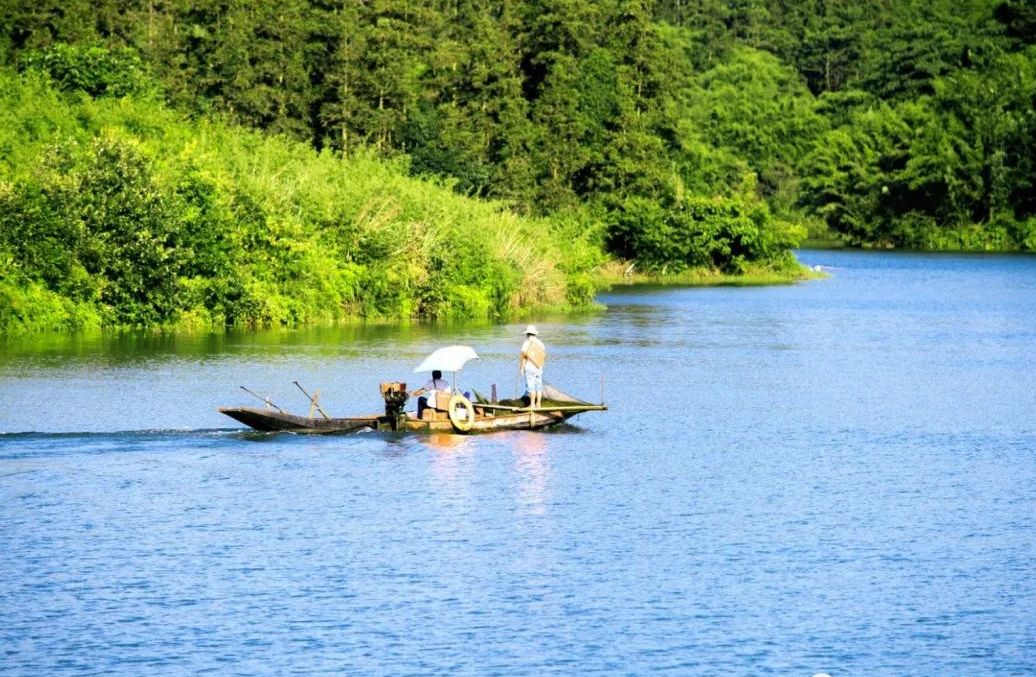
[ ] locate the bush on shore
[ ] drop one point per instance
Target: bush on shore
(115, 211)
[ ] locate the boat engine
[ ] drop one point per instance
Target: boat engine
(395, 395)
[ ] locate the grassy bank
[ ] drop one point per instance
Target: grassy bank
(619, 273)
(118, 212)
(122, 213)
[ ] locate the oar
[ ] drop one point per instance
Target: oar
(266, 400)
(312, 401)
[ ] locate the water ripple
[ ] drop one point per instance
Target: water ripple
(838, 477)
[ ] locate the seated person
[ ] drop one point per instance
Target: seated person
(428, 394)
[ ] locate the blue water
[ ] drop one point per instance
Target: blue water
(836, 476)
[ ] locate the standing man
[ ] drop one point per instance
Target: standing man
(533, 357)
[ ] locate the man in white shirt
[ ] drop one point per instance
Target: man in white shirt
(533, 357)
(435, 389)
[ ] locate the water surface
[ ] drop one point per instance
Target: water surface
(836, 476)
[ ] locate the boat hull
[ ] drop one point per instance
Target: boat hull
(268, 420)
(483, 424)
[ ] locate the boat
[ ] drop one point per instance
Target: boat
(461, 415)
(455, 413)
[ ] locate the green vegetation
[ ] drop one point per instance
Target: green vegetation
(755, 275)
(695, 139)
(117, 212)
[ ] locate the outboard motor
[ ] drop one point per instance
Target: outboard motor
(395, 395)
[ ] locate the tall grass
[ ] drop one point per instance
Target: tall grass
(252, 229)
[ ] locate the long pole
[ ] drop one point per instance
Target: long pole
(571, 407)
(312, 401)
(266, 400)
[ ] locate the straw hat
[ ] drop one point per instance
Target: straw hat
(531, 329)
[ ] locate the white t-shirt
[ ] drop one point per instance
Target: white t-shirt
(437, 384)
(433, 388)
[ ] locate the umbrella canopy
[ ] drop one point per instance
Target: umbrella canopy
(450, 358)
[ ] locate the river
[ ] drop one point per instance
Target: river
(837, 476)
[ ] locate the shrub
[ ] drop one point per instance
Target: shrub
(96, 71)
(125, 211)
(722, 233)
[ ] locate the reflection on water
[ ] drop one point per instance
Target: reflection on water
(832, 477)
(447, 451)
(445, 443)
(532, 463)
(450, 461)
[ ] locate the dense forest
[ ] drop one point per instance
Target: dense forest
(675, 134)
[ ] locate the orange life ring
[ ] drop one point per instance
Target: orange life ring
(462, 422)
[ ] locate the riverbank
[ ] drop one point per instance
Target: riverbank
(40, 313)
(120, 213)
(624, 273)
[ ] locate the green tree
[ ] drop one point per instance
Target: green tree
(758, 106)
(128, 235)
(93, 70)
(374, 77)
(472, 122)
(722, 233)
(988, 118)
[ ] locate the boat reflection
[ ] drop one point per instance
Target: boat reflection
(453, 464)
(532, 463)
(450, 458)
(446, 442)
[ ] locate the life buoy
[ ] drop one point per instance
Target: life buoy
(461, 420)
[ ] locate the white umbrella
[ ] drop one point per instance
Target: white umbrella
(450, 358)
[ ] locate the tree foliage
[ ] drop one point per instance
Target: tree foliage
(889, 123)
(551, 105)
(117, 212)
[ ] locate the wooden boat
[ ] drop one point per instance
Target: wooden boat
(461, 416)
